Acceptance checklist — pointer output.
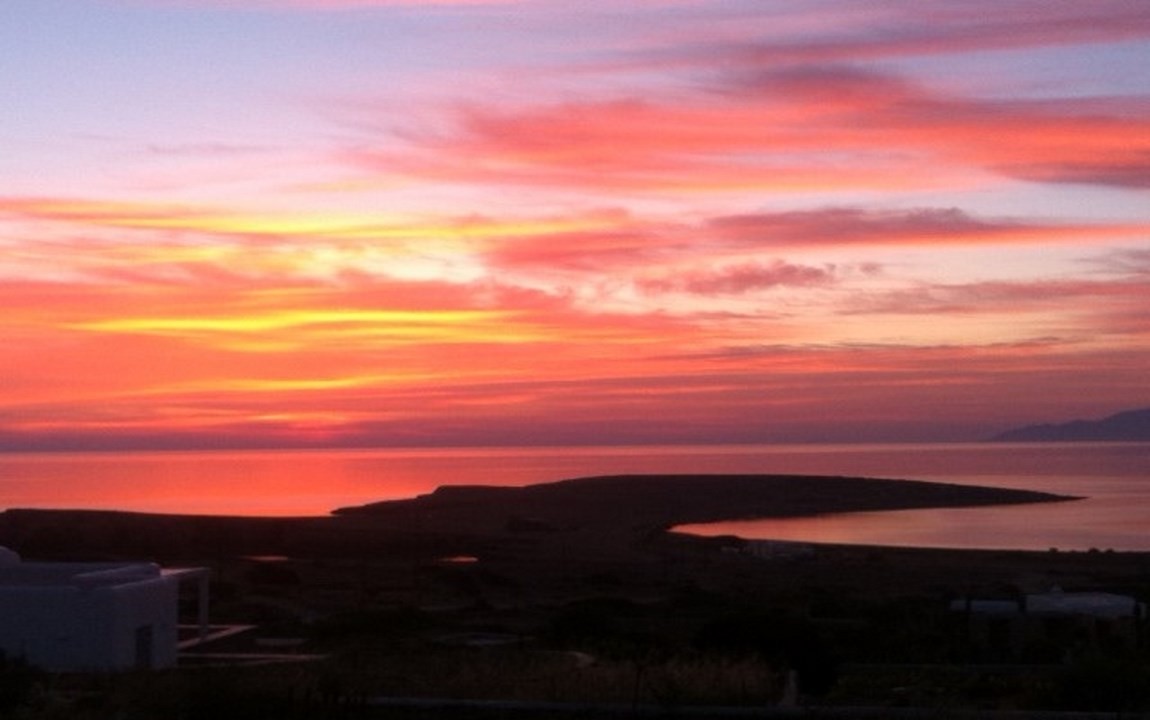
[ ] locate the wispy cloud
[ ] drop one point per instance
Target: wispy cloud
(281, 5)
(741, 278)
(479, 221)
(846, 226)
(845, 32)
(812, 127)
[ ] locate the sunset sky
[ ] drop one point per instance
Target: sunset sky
(400, 222)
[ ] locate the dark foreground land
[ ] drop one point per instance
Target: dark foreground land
(573, 600)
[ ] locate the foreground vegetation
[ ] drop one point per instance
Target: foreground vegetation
(532, 684)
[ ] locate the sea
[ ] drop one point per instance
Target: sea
(1112, 480)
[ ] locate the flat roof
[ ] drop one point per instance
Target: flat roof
(88, 574)
(1096, 604)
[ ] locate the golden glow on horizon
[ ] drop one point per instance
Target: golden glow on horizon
(391, 321)
(290, 330)
(144, 216)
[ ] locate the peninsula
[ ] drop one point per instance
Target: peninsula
(470, 518)
(660, 501)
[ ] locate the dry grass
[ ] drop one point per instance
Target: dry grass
(524, 674)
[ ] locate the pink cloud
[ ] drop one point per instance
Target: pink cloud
(740, 278)
(322, 4)
(631, 243)
(1132, 172)
(808, 127)
(1094, 298)
(846, 34)
(1131, 262)
(634, 146)
(848, 225)
(637, 244)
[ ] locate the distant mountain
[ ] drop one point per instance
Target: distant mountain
(1132, 425)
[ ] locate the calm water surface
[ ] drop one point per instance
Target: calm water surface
(1115, 478)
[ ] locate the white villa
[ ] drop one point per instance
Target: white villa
(81, 617)
(1072, 620)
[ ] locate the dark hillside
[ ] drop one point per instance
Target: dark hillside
(1128, 426)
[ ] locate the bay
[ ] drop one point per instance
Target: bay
(1114, 478)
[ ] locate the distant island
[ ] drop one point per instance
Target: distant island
(1128, 426)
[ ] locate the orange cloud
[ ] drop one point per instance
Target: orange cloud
(664, 386)
(730, 397)
(163, 358)
(155, 216)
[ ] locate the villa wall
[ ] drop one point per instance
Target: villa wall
(69, 617)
